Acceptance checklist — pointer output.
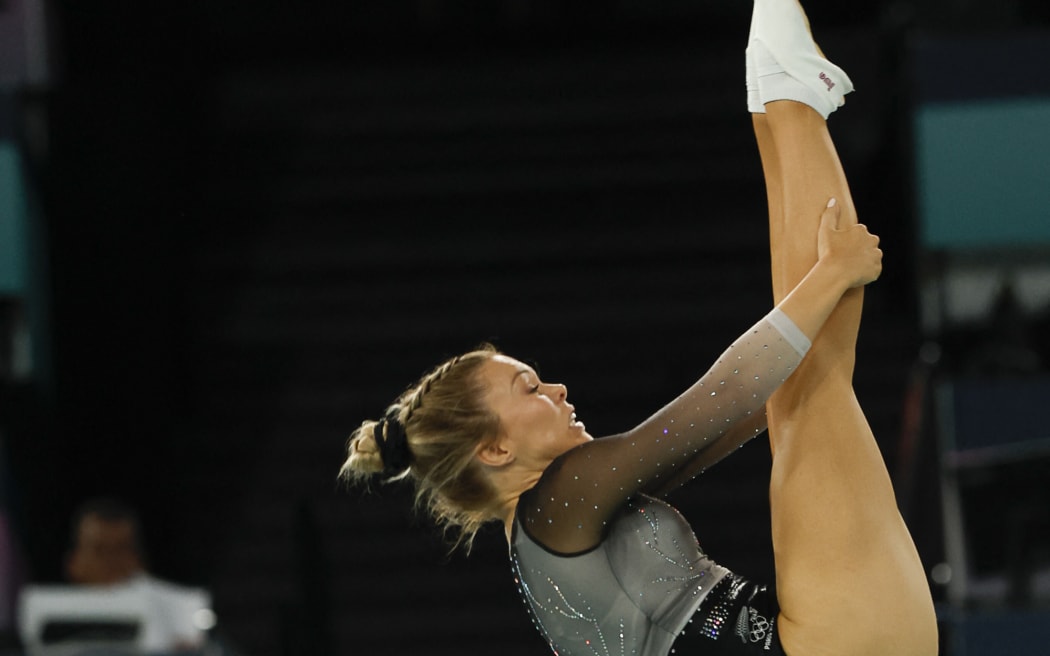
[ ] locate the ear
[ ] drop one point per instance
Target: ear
(494, 453)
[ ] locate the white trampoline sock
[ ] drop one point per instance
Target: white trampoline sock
(754, 100)
(787, 63)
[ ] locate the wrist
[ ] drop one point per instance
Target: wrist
(833, 276)
(810, 303)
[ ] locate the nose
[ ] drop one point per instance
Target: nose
(559, 392)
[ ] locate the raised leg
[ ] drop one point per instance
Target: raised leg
(849, 579)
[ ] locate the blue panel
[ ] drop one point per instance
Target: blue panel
(1000, 412)
(958, 67)
(1002, 633)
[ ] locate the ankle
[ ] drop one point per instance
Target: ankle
(791, 112)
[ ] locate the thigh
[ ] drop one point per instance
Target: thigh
(849, 577)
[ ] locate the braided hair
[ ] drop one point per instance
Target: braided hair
(429, 435)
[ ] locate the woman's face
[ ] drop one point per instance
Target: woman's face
(537, 424)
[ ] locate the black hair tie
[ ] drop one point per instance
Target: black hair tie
(393, 448)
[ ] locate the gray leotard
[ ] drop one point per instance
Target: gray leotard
(605, 567)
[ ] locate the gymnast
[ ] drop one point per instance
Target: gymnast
(603, 564)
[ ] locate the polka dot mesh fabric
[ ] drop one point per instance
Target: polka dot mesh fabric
(603, 565)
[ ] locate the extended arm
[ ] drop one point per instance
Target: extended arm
(740, 434)
(582, 490)
(805, 304)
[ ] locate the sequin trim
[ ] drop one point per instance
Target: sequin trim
(723, 601)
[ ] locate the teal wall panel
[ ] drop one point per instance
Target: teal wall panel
(983, 173)
(13, 263)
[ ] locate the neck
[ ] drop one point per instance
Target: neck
(510, 485)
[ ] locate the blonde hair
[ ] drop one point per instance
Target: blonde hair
(445, 418)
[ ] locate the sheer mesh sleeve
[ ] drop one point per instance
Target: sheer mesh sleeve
(579, 493)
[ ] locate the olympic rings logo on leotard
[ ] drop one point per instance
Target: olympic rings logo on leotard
(750, 626)
(759, 626)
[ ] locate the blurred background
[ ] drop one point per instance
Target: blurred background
(229, 232)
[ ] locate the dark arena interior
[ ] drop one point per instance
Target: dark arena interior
(230, 232)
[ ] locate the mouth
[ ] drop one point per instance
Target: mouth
(574, 422)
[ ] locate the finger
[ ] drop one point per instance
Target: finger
(830, 218)
(860, 228)
(849, 216)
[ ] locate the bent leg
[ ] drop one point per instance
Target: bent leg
(849, 579)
